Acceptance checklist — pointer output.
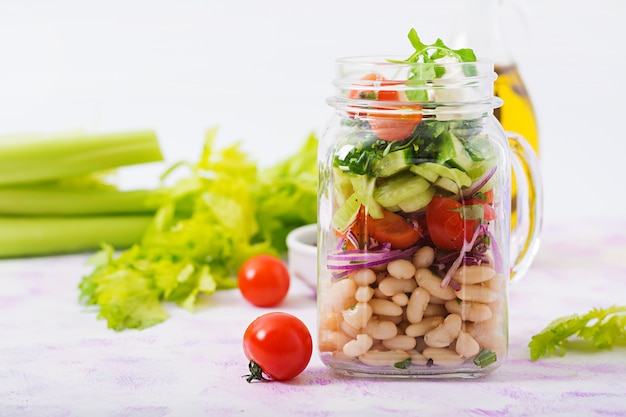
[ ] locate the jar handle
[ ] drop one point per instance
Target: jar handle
(528, 205)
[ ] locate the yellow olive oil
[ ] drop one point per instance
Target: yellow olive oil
(516, 115)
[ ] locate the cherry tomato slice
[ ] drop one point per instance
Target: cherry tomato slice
(394, 229)
(489, 212)
(393, 127)
(263, 280)
(388, 127)
(278, 345)
(446, 227)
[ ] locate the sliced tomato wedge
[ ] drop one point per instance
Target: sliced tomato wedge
(394, 229)
(450, 222)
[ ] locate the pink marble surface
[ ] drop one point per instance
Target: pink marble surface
(57, 360)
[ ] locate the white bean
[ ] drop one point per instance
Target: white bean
(391, 286)
(498, 283)
(417, 358)
(379, 294)
(425, 278)
(400, 299)
(364, 277)
(466, 345)
(358, 316)
(349, 330)
(424, 257)
(384, 358)
(435, 310)
(469, 310)
(417, 305)
(358, 346)
(329, 320)
(341, 294)
(381, 329)
(394, 319)
(330, 340)
(401, 341)
(476, 292)
(489, 337)
(436, 300)
(401, 268)
(443, 356)
(363, 294)
(445, 333)
(385, 307)
(420, 329)
(473, 274)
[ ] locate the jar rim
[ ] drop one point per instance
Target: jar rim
(394, 68)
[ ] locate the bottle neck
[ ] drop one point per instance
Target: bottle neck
(480, 25)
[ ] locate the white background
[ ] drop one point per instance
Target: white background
(261, 71)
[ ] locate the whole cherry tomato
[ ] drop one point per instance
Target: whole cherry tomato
(263, 280)
(278, 345)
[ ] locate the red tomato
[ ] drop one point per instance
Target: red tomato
(379, 95)
(359, 230)
(263, 280)
(394, 229)
(446, 227)
(490, 214)
(278, 345)
(488, 196)
(388, 127)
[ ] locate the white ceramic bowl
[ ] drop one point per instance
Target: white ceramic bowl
(302, 254)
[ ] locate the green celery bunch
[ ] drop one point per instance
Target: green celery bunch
(54, 197)
(286, 194)
(38, 158)
(211, 221)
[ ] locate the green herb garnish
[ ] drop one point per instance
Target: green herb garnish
(403, 364)
(603, 328)
(485, 358)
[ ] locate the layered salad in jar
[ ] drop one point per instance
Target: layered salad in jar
(412, 275)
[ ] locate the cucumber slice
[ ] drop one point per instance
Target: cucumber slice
(399, 188)
(454, 174)
(461, 158)
(423, 171)
(447, 184)
(393, 163)
(346, 214)
(417, 202)
(364, 186)
(342, 185)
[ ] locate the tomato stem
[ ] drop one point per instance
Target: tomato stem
(256, 372)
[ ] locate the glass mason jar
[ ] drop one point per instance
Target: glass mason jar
(414, 220)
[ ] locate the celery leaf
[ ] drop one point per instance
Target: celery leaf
(209, 223)
(604, 328)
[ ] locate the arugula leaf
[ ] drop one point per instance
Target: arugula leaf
(604, 328)
(438, 50)
(431, 54)
(211, 222)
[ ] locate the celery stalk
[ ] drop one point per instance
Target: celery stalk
(36, 236)
(35, 158)
(37, 200)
